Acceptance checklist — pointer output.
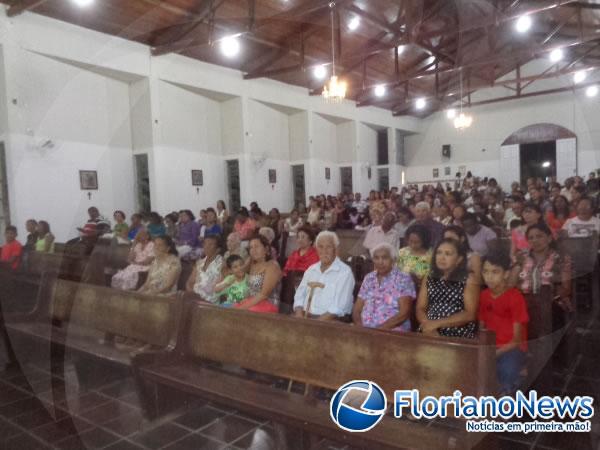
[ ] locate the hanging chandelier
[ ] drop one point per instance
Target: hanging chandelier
(462, 121)
(334, 90)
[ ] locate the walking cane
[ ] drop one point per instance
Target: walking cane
(312, 286)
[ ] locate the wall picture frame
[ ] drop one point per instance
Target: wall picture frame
(327, 173)
(88, 180)
(272, 176)
(436, 173)
(197, 178)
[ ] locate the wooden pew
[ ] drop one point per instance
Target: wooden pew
(289, 284)
(77, 318)
(325, 355)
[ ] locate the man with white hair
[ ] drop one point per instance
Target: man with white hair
(328, 284)
(423, 217)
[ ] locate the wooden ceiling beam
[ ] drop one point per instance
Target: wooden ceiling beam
(511, 56)
(234, 26)
(20, 7)
(305, 30)
(498, 20)
(519, 80)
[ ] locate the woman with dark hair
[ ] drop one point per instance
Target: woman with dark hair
(136, 225)
(171, 225)
(211, 225)
(263, 278)
(449, 296)
(415, 258)
(164, 270)
(155, 225)
(542, 268)
(314, 214)
(45, 239)
(532, 214)
(558, 215)
(305, 255)
(207, 271)
(473, 259)
(121, 228)
(222, 214)
(458, 212)
(140, 257)
(188, 231)
(244, 225)
(543, 275)
(405, 220)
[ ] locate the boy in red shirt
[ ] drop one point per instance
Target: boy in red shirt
(12, 249)
(503, 310)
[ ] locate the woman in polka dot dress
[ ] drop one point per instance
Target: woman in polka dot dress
(449, 296)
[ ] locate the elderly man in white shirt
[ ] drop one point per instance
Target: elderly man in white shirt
(335, 298)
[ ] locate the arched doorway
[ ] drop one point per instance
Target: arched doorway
(540, 150)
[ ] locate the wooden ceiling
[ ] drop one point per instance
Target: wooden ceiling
(417, 48)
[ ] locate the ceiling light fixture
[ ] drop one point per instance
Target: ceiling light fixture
(335, 90)
(230, 46)
(420, 103)
(320, 72)
(523, 24)
(354, 23)
(556, 55)
(579, 76)
(592, 91)
(546, 164)
(380, 90)
(462, 121)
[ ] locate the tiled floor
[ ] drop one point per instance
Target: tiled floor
(109, 416)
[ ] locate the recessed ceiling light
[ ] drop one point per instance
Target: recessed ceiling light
(579, 76)
(523, 24)
(420, 103)
(354, 23)
(320, 72)
(380, 90)
(230, 46)
(556, 55)
(592, 91)
(451, 113)
(546, 164)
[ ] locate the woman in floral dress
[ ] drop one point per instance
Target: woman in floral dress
(415, 258)
(386, 296)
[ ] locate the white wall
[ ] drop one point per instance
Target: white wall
(495, 122)
(86, 116)
(102, 99)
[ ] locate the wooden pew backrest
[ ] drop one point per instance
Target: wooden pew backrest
(350, 243)
(151, 319)
(331, 354)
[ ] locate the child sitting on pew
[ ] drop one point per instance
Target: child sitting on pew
(502, 309)
(235, 286)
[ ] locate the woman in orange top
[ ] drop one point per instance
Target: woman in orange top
(559, 214)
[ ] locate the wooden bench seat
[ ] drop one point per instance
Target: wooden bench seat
(80, 319)
(325, 355)
(294, 409)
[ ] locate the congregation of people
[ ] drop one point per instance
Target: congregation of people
(446, 260)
